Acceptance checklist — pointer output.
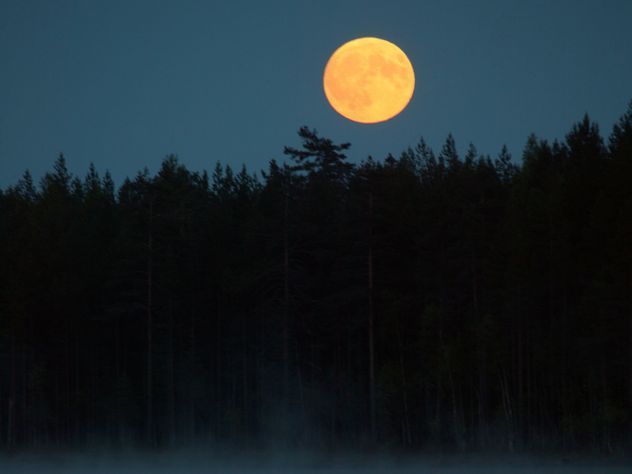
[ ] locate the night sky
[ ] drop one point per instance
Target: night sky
(124, 83)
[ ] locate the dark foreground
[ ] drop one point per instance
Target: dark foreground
(291, 464)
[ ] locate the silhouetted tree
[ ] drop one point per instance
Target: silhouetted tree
(420, 301)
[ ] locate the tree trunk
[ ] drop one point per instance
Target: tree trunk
(11, 402)
(371, 329)
(605, 428)
(23, 420)
(406, 434)
(261, 367)
(286, 304)
(508, 410)
(244, 376)
(630, 347)
(218, 366)
(171, 389)
(521, 353)
(630, 350)
(149, 379)
(301, 389)
(482, 359)
(456, 416)
(193, 375)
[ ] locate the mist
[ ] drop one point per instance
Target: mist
(197, 462)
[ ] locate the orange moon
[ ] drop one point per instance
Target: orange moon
(369, 80)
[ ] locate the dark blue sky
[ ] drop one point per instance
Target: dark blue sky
(123, 83)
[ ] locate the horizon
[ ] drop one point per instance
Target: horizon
(260, 173)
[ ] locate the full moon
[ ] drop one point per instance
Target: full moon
(369, 80)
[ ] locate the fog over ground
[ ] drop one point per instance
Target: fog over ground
(257, 463)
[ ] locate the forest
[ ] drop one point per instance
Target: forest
(431, 301)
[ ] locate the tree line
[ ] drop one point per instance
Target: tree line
(426, 301)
